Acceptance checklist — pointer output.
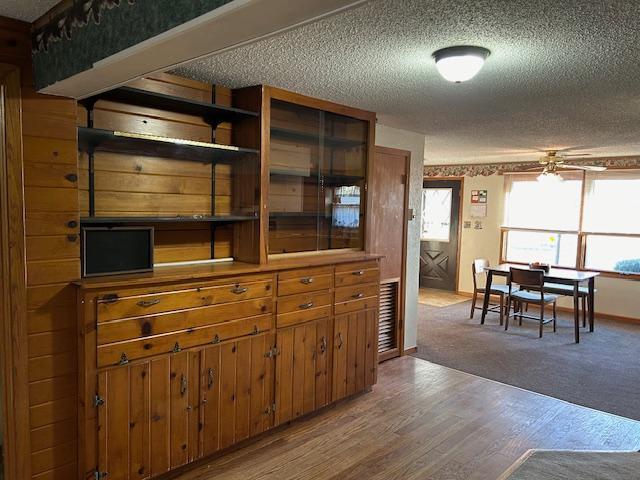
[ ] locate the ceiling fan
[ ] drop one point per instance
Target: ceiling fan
(551, 162)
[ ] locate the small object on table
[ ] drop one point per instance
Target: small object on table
(540, 266)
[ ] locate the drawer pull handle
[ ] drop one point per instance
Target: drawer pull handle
(183, 384)
(357, 295)
(340, 340)
(211, 378)
(176, 348)
(148, 303)
(238, 289)
(216, 339)
(323, 345)
(123, 359)
(306, 280)
(358, 273)
(304, 306)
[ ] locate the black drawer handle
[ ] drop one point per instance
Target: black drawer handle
(148, 303)
(306, 280)
(238, 289)
(357, 295)
(304, 306)
(358, 273)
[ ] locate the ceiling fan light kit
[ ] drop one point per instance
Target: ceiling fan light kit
(551, 162)
(460, 63)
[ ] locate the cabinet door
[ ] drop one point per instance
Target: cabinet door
(245, 391)
(301, 369)
(147, 423)
(355, 357)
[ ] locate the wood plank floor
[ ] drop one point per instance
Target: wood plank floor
(423, 421)
(440, 298)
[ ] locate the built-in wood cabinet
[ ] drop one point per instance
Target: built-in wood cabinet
(318, 157)
(177, 368)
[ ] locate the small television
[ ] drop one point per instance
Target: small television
(116, 250)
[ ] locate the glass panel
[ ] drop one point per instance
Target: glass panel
(615, 254)
(543, 204)
(546, 247)
(611, 195)
(436, 214)
(317, 173)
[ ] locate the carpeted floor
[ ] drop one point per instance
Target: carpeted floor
(601, 372)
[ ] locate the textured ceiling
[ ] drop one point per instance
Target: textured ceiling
(562, 73)
(25, 10)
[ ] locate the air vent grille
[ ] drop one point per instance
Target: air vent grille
(388, 317)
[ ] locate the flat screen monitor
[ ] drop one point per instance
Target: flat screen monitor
(116, 250)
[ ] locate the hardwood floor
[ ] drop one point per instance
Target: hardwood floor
(423, 421)
(440, 298)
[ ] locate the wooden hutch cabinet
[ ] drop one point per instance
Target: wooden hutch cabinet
(193, 358)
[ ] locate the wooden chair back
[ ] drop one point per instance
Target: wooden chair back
(478, 266)
(527, 278)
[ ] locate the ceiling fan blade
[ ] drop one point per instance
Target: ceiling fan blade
(589, 168)
(575, 154)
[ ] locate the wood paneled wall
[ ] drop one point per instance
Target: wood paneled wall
(53, 261)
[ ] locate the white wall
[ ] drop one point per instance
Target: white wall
(615, 296)
(414, 142)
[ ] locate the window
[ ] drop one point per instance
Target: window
(436, 214)
(543, 220)
(611, 221)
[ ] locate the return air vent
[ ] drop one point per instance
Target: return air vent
(388, 317)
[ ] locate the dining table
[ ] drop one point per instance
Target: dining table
(564, 276)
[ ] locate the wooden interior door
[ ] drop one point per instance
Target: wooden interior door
(440, 232)
(387, 235)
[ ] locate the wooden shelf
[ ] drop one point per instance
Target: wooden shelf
(330, 141)
(209, 112)
(327, 179)
(98, 140)
(167, 219)
(294, 214)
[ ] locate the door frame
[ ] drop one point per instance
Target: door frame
(400, 327)
(13, 303)
(426, 179)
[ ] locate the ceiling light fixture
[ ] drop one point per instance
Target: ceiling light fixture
(461, 63)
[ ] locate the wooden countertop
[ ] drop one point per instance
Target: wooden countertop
(216, 270)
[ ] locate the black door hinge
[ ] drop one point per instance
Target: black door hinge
(98, 401)
(100, 475)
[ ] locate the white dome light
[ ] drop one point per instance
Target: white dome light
(459, 64)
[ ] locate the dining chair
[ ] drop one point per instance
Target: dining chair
(567, 291)
(531, 290)
(479, 267)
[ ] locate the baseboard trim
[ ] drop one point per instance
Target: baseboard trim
(411, 350)
(604, 316)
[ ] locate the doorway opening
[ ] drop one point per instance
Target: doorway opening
(440, 241)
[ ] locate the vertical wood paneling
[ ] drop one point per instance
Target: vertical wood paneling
(193, 407)
(228, 360)
(243, 388)
(284, 376)
(139, 451)
(257, 415)
(210, 388)
(340, 357)
(309, 386)
(113, 423)
(160, 389)
(178, 416)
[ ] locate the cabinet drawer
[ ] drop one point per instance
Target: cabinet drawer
(122, 352)
(149, 325)
(304, 302)
(110, 308)
(303, 308)
(303, 281)
(356, 292)
(356, 273)
(356, 305)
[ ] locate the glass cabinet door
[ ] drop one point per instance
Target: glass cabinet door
(317, 167)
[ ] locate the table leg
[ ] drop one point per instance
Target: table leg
(487, 294)
(576, 312)
(592, 314)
